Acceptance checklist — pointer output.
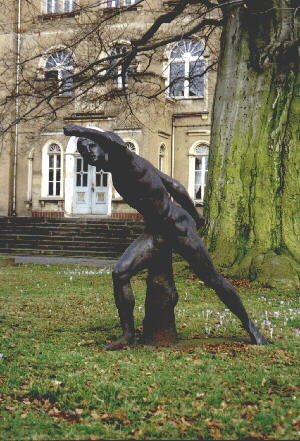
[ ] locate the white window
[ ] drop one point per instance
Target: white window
(54, 170)
(187, 65)
(52, 6)
(56, 6)
(115, 69)
(161, 158)
(69, 5)
(118, 3)
(113, 3)
(60, 66)
(201, 170)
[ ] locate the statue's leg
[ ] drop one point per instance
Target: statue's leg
(136, 257)
(193, 250)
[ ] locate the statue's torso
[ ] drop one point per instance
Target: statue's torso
(142, 188)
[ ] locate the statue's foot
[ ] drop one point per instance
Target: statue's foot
(256, 337)
(120, 343)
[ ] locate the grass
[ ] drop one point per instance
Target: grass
(58, 383)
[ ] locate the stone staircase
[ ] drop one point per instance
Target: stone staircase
(76, 237)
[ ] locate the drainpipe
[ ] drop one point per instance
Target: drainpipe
(17, 109)
(173, 147)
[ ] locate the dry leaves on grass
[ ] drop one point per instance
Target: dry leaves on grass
(214, 427)
(232, 349)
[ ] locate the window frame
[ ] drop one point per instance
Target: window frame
(114, 3)
(63, 91)
(54, 166)
(202, 173)
(131, 146)
(162, 157)
(192, 170)
(119, 3)
(186, 61)
(72, 4)
(46, 153)
(54, 9)
(134, 144)
(117, 71)
(58, 6)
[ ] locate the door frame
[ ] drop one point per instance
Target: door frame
(70, 161)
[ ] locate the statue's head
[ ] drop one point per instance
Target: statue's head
(92, 153)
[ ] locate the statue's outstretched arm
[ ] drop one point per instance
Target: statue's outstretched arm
(180, 195)
(107, 140)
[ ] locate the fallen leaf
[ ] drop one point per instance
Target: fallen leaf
(95, 415)
(105, 416)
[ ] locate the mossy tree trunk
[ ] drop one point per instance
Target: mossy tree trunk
(253, 197)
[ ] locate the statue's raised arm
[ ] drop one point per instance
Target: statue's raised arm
(109, 141)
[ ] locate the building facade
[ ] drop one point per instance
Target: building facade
(41, 172)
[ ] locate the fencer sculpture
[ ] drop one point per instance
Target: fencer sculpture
(168, 227)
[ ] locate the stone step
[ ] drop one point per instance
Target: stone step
(70, 225)
(48, 244)
(53, 235)
(66, 221)
(71, 253)
(83, 236)
(68, 237)
(71, 229)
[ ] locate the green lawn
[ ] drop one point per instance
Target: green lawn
(58, 383)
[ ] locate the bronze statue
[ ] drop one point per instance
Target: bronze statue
(168, 226)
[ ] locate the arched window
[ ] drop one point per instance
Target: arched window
(116, 66)
(54, 170)
(186, 70)
(56, 6)
(131, 146)
(60, 66)
(161, 158)
(201, 169)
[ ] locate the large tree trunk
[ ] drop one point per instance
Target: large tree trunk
(253, 197)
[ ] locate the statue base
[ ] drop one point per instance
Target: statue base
(159, 327)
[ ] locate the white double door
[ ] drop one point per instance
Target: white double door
(92, 189)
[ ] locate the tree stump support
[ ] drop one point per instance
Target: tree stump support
(159, 327)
